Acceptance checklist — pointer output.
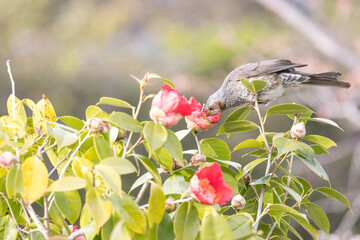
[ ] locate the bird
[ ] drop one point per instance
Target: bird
(279, 74)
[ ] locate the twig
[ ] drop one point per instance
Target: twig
(57, 165)
(46, 215)
(176, 201)
(271, 230)
(37, 221)
(197, 142)
(12, 89)
(12, 214)
(142, 191)
(134, 146)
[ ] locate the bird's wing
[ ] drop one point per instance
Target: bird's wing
(261, 68)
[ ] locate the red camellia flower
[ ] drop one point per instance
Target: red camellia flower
(208, 186)
(197, 120)
(168, 107)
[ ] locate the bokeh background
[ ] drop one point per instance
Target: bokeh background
(78, 51)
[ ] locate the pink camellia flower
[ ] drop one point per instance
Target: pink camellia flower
(168, 107)
(197, 120)
(7, 159)
(298, 130)
(208, 186)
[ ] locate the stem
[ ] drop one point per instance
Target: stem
(134, 146)
(271, 231)
(142, 191)
(12, 89)
(135, 115)
(12, 214)
(268, 166)
(37, 221)
(46, 215)
(57, 165)
(197, 142)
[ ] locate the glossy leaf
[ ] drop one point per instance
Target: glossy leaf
(241, 225)
(323, 120)
(288, 108)
(120, 232)
(215, 227)
(12, 128)
(64, 138)
(332, 193)
(120, 165)
(94, 111)
(215, 148)
(293, 193)
(182, 133)
(249, 143)
(164, 80)
(69, 204)
(307, 226)
(163, 157)
(100, 210)
(72, 122)
(322, 141)
(239, 114)
(129, 212)
(114, 102)
(165, 229)
(8, 229)
(67, 184)
(175, 185)
(110, 176)
(318, 216)
(14, 181)
(250, 166)
(186, 222)
(173, 146)
(20, 113)
(155, 134)
(253, 85)
(151, 168)
(102, 148)
(285, 145)
(315, 167)
(156, 204)
(125, 121)
(237, 126)
(287, 209)
(35, 177)
(262, 180)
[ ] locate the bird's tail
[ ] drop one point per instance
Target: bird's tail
(326, 79)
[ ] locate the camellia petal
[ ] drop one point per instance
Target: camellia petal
(197, 120)
(208, 185)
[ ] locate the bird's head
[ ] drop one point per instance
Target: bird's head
(215, 104)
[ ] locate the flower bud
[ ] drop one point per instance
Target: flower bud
(197, 158)
(238, 203)
(170, 206)
(298, 130)
(97, 125)
(7, 160)
(177, 164)
(246, 179)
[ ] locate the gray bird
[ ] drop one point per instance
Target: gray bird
(279, 75)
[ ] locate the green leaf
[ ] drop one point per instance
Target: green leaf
(20, 113)
(67, 184)
(165, 229)
(94, 111)
(253, 85)
(125, 121)
(100, 210)
(288, 108)
(175, 184)
(285, 145)
(69, 204)
(102, 148)
(318, 216)
(241, 225)
(164, 80)
(163, 157)
(14, 181)
(237, 126)
(323, 120)
(238, 114)
(63, 138)
(215, 148)
(173, 145)
(110, 176)
(36, 179)
(292, 192)
(315, 167)
(215, 227)
(114, 102)
(182, 133)
(287, 209)
(120, 232)
(156, 135)
(186, 222)
(332, 193)
(322, 141)
(120, 165)
(156, 204)
(262, 180)
(129, 212)
(72, 122)
(150, 167)
(307, 226)
(251, 165)
(249, 143)
(12, 127)
(289, 227)
(8, 229)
